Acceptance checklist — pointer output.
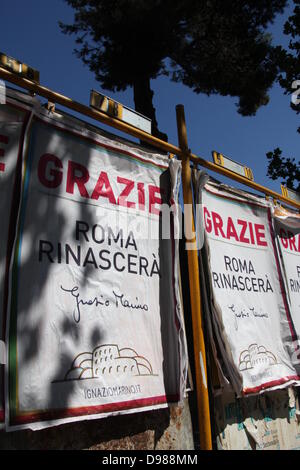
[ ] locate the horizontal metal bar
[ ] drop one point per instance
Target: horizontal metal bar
(126, 128)
(240, 179)
(86, 110)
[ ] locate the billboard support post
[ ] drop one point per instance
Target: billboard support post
(195, 295)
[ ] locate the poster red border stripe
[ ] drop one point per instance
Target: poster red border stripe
(93, 410)
(273, 383)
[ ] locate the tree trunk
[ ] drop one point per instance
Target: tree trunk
(143, 97)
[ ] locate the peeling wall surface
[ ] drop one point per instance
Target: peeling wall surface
(263, 422)
(165, 429)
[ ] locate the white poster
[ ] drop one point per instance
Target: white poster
(95, 321)
(14, 118)
(287, 229)
(247, 289)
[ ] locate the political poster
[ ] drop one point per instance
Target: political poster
(95, 323)
(14, 118)
(287, 229)
(251, 312)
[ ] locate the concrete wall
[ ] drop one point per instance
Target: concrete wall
(166, 429)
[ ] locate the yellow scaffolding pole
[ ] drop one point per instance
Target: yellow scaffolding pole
(195, 296)
(133, 131)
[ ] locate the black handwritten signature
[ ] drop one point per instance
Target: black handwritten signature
(120, 300)
(245, 313)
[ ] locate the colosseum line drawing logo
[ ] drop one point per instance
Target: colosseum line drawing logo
(256, 355)
(108, 360)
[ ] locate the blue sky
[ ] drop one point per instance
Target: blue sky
(30, 32)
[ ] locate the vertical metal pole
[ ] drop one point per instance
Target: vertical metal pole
(195, 296)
